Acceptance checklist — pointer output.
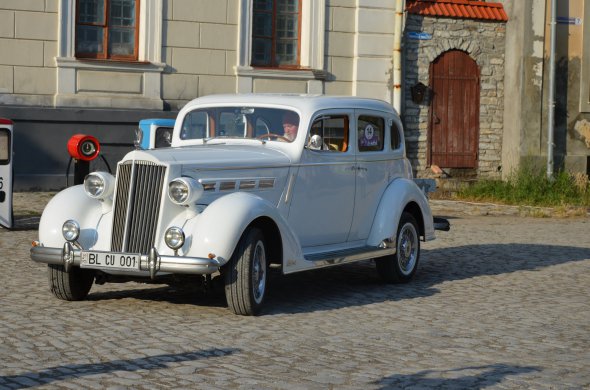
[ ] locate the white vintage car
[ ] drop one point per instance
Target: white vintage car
(249, 182)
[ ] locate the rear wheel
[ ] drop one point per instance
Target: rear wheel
(401, 267)
(246, 274)
(69, 286)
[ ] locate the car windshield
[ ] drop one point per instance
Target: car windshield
(261, 123)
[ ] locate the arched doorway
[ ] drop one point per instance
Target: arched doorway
(453, 129)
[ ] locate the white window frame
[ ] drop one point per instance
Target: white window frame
(149, 61)
(312, 47)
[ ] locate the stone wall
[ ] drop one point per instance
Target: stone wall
(485, 43)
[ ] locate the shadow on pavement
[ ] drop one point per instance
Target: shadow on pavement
(358, 284)
(68, 371)
(462, 378)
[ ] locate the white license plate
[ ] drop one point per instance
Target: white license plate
(122, 261)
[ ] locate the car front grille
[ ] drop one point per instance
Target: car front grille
(137, 206)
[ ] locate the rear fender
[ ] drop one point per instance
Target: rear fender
(399, 195)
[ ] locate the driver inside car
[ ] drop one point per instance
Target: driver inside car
(290, 125)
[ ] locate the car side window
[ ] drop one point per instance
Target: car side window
(333, 129)
(371, 133)
(396, 138)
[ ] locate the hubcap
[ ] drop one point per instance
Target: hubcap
(259, 272)
(407, 249)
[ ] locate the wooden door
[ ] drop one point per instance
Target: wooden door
(453, 130)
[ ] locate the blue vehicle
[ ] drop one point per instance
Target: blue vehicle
(154, 133)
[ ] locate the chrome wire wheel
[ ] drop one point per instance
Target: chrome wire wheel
(259, 272)
(401, 266)
(407, 248)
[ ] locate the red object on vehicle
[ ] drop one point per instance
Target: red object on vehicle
(83, 147)
(4, 121)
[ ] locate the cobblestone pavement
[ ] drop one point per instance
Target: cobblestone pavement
(498, 302)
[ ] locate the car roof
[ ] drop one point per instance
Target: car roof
(301, 102)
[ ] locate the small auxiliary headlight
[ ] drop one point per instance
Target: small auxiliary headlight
(99, 185)
(174, 238)
(184, 190)
(70, 230)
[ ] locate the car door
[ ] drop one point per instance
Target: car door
(323, 194)
(378, 161)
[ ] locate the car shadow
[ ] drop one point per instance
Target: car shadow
(477, 377)
(358, 284)
(68, 371)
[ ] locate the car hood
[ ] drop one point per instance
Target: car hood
(220, 156)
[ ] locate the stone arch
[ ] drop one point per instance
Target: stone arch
(441, 46)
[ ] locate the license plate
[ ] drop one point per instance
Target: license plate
(122, 261)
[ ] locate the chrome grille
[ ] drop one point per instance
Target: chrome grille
(137, 206)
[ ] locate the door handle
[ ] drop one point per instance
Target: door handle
(436, 119)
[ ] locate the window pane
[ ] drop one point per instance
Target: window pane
(262, 25)
(4, 147)
(370, 133)
(288, 6)
(261, 51)
(287, 26)
(334, 132)
(286, 53)
(262, 5)
(395, 137)
(89, 39)
(121, 41)
(122, 13)
(195, 125)
(91, 11)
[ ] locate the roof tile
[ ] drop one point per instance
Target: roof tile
(463, 9)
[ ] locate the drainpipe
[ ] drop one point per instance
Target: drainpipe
(397, 55)
(550, 114)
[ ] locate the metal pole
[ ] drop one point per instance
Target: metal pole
(551, 112)
(397, 55)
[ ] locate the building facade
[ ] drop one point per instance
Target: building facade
(99, 66)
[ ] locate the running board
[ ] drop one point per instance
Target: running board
(326, 259)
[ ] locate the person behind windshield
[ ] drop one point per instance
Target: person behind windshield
(290, 125)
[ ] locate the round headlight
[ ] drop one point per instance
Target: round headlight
(174, 238)
(70, 230)
(99, 185)
(184, 191)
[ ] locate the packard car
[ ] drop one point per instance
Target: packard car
(293, 182)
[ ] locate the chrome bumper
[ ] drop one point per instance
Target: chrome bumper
(68, 256)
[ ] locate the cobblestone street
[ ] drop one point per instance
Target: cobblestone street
(498, 302)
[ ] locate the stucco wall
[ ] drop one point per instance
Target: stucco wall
(28, 43)
(485, 43)
(199, 48)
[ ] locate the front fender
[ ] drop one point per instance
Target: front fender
(399, 194)
(71, 203)
(220, 226)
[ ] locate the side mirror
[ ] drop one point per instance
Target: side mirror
(315, 142)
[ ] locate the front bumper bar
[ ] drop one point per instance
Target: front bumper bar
(153, 262)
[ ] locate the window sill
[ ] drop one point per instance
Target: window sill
(281, 73)
(98, 64)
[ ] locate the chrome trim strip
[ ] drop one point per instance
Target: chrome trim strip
(348, 256)
(170, 264)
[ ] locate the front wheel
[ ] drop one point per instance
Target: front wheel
(69, 286)
(246, 274)
(401, 267)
